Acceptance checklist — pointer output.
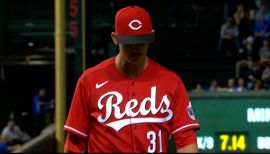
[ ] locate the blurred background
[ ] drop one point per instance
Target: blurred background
(219, 48)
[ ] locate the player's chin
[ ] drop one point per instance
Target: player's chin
(134, 58)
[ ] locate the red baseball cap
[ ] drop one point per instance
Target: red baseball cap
(133, 25)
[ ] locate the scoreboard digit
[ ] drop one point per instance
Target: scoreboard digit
(232, 142)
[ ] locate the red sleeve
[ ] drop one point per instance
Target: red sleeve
(75, 144)
(185, 138)
(78, 118)
(184, 117)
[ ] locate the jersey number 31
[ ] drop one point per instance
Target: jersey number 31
(152, 136)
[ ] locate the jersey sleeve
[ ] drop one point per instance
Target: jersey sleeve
(75, 144)
(78, 121)
(185, 138)
(184, 117)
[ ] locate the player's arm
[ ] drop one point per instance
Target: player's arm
(186, 141)
(185, 124)
(75, 144)
(191, 148)
(78, 124)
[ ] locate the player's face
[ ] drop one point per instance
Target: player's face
(134, 52)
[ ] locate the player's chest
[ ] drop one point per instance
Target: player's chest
(131, 89)
(126, 102)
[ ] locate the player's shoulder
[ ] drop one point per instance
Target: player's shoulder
(97, 69)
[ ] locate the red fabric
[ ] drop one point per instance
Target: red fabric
(133, 20)
(75, 143)
(185, 138)
(118, 114)
(183, 118)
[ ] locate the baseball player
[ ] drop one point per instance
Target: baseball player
(130, 103)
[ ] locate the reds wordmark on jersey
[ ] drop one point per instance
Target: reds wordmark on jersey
(117, 113)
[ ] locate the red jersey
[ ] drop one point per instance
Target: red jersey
(121, 114)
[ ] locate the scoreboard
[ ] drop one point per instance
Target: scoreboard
(232, 122)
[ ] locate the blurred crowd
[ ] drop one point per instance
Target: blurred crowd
(233, 85)
(12, 137)
(245, 35)
(14, 134)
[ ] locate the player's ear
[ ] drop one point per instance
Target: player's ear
(113, 38)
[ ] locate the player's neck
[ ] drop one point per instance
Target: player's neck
(131, 69)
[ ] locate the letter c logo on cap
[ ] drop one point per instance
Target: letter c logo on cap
(135, 24)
